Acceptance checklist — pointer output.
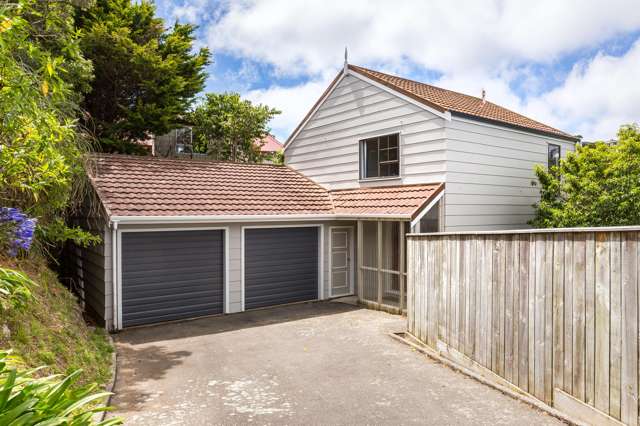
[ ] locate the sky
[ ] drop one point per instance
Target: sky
(574, 65)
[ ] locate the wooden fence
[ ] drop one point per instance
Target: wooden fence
(552, 312)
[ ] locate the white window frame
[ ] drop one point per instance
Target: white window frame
(117, 265)
(362, 161)
(321, 248)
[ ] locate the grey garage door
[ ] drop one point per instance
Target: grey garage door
(171, 275)
(280, 266)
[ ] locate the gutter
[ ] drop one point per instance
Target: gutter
(156, 220)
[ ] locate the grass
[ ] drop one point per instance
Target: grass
(51, 330)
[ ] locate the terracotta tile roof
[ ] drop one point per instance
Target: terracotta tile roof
(448, 100)
(151, 186)
(385, 200)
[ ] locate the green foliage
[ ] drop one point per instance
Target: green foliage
(50, 328)
(57, 232)
(226, 127)
(26, 399)
(598, 185)
(277, 157)
(15, 289)
(146, 77)
(39, 148)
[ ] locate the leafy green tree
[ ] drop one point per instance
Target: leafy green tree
(146, 77)
(226, 127)
(598, 185)
(41, 149)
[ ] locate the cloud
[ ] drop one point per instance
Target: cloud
(596, 97)
(293, 101)
(309, 37)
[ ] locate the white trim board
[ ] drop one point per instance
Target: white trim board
(117, 269)
(209, 219)
(321, 248)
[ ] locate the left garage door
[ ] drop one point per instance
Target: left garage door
(171, 275)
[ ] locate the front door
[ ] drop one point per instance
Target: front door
(341, 254)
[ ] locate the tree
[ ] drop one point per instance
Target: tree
(226, 127)
(146, 77)
(39, 146)
(598, 185)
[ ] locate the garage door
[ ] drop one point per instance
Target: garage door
(281, 266)
(171, 275)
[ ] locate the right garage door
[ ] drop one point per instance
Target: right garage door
(281, 265)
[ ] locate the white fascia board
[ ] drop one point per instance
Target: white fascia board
(446, 115)
(313, 112)
(154, 220)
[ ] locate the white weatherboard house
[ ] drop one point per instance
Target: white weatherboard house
(375, 157)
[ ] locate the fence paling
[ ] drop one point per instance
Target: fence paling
(542, 310)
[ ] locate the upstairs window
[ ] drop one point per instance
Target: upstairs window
(379, 157)
(553, 157)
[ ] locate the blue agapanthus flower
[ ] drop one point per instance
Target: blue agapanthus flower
(21, 229)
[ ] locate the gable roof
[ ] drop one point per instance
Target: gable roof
(403, 199)
(441, 100)
(458, 103)
(152, 186)
(143, 187)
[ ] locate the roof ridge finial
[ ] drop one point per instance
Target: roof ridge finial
(346, 59)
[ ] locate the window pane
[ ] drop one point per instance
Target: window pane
(430, 222)
(384, 155)
(393, 141)
(384, 142)
(553, 155)
(393, 153)
(371, 158)
(389, 169)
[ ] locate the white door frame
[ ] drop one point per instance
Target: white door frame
(351, 260)
(320, 254)
(117, 277)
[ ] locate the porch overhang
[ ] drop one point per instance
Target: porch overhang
(403, 202)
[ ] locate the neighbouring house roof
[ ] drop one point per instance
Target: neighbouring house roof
(269, 144)
(133, 186)
(385, 200)
(442, 100)
(151, 186)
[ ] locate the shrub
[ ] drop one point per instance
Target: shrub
(29, 400)
(17, 230)
(15, 289)
(598, 185)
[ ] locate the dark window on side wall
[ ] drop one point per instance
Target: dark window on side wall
(553, 156)
(379, 157)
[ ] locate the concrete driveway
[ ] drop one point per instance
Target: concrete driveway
(317, 363)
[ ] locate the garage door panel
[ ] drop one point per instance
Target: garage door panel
(169, 260)
(143, 272)
(142, 318)
(283, 262)
(281, 266)
(171, 275)
(142, 292)
(169, 301)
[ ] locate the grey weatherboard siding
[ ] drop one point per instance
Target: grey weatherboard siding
(171, 275)
(281, 266)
